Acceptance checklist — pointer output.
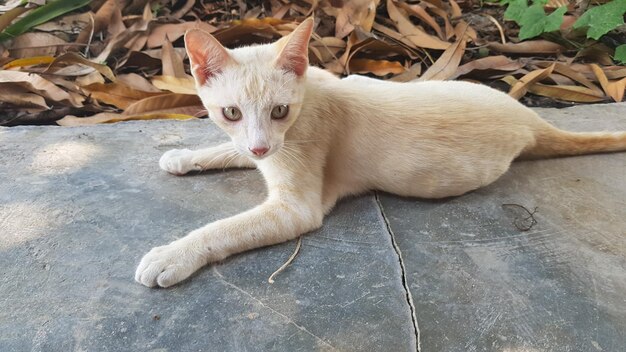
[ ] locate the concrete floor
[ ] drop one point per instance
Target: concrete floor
(80, 206)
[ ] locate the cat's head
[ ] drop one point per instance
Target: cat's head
(253, 93)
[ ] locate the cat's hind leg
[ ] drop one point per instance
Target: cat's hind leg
(182, 161)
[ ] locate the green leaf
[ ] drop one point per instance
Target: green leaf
(41, 15)
(602, 19)
(620, 54)
(515, 10)
(534, 21)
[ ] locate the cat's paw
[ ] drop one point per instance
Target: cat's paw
(178, 162)
(168, 265)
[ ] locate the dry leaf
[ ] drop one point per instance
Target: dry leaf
(413, 34)
(36, 84)
(419, 12)
(171, 61)
(520, 88)
(352, 13)
(184, 85)
(117, 94)
(448, 62)
(377, 67)
(174, 31)
(614, 89)
(73, 58)
(21, 97)
(36, 44)
(29, 61)
(167, 103)
(500, 63)
(110, 117)
(527, 47)
(136, 81)
(567, 71)
(576, 94)
(409, 74)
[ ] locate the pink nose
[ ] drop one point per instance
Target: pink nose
(259, 150)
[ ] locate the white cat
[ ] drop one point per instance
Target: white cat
(317, 138)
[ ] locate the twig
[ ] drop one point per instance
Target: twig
(492, 19)
(291, 258)
(531, 217)
(93, 28)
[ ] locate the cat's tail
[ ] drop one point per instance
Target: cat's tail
(553, 142)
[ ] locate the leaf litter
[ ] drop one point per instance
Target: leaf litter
(84, 62)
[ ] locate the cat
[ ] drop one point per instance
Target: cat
(317, 138)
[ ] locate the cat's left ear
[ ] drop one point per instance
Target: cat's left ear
(206, 55)
(294, 55)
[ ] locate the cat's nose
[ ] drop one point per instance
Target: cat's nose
(259, 151)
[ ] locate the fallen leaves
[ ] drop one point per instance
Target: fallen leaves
(119, 60)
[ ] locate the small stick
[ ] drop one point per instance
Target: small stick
(502, 37)
(291, 258)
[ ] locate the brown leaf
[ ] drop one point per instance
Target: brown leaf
(521, 87)
(171, 61)
(94, 77)
(136, 81)
(415, 35)
(598, 53)
(377, 67)
(174, 31)
(352, 13)
(73, 58)
(419, 12)
(130, 38)
(101, 20)
(188, 103)
(36, 84)
(455, 9)
(566, 93)
(409, 74)
(527, 47)
(117, 94)
(567, 71)
(398, 37)
(500, 63)
(68, 24)
(36, 44)
(10, 15)
(18, 96)
(614, 89)
(448, 62)
(448, 26)
(182, 85)
(111, 117)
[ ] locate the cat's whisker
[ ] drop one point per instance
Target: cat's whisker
(292, 154)
(224, 154)
(302, 141)
(232, 158)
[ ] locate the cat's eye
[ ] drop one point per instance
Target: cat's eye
(280, 111)
(231, 113)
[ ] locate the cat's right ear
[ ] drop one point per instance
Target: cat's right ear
(206, 54)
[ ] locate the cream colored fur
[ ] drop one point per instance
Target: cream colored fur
(342, 137)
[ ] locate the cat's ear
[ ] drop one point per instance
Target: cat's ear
(294, 54)
(206, 54)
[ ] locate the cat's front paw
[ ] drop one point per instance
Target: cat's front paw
(168, 265)
(178, 162)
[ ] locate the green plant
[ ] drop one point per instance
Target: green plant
(533, 19)
(602, 19)
(41, 15)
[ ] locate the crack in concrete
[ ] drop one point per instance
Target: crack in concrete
(405, 284)
(288, 319)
